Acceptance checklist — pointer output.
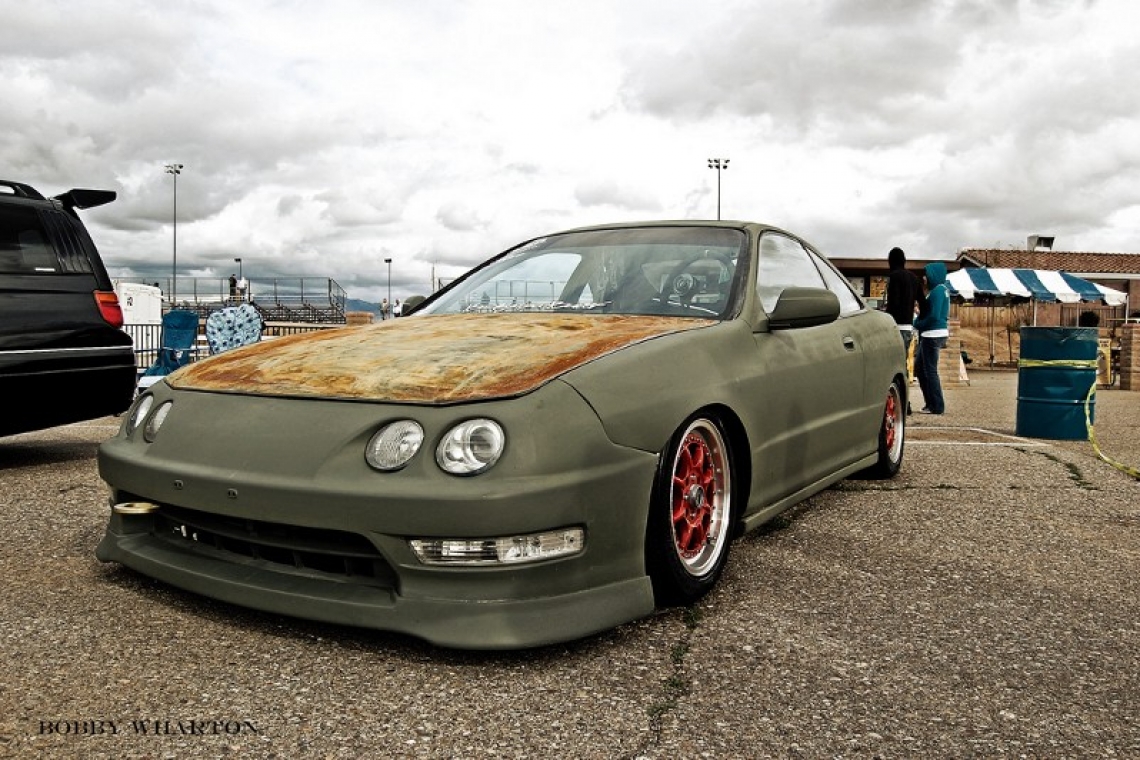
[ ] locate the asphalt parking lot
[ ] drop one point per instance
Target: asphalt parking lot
(983, 604)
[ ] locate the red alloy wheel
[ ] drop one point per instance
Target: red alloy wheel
(890, 420)
(894, 422)
(700, 497)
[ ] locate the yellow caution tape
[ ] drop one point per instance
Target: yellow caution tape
(1132, 471)
(1061, 363)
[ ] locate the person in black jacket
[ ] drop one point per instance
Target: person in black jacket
(904, 297)
(904, 294)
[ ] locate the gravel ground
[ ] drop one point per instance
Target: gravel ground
(982, 604)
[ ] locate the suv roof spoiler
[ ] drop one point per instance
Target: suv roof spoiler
(78, 198)
(72, 199)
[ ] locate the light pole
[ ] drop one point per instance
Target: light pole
(174, 169)
(389, 263)
(238, 260)
(718, 164)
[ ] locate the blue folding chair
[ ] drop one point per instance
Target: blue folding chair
(179, 335)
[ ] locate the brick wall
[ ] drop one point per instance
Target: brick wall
(1130, 357)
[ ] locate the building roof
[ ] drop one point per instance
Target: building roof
(1067, 261)
(880, 267)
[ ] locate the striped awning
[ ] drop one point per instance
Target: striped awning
(1039, 284)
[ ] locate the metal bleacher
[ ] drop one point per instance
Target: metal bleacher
(312, 300)
(287, 305)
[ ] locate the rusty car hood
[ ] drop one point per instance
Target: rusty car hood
(428, 359)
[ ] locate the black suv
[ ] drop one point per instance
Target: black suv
(63, 357)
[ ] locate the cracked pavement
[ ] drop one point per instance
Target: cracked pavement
(984, 603)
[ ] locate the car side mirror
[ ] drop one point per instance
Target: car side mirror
(803, 307)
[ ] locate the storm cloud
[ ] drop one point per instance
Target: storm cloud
(319, 139)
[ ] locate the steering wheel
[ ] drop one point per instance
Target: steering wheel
(682, 283)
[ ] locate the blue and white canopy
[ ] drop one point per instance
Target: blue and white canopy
(1038, 284)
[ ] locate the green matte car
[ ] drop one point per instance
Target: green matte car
(560, 441)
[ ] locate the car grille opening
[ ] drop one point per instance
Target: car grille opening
(335, 554)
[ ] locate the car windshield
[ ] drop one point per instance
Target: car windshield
(682, 271)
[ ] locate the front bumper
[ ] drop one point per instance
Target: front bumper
(301, 526)
(463, 623)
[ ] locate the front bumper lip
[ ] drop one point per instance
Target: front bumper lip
(463, 623)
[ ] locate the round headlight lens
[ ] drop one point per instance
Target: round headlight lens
(156, 420)
(394, 445)
(140, 411)
(471, 447)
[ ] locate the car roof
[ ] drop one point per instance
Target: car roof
(9, 190)
(725, 223)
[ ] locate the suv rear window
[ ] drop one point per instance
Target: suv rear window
(25, 246)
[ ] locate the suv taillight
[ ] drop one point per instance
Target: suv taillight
(109, 307)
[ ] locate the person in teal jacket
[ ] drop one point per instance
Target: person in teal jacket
(933, 332)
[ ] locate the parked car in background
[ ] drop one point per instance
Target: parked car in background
(63, 357)
(562, 439)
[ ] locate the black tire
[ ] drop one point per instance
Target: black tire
(892, 434)
(691, 514)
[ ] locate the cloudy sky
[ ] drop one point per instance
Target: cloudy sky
(321, 137)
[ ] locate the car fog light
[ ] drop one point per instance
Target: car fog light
(471, 447)
(139, 413)
(135, 508)
(508, 550)
(394, 445)
(156, 420)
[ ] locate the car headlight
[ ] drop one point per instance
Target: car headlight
(155, 421)
(471, 447)
(394, 445)
(138, 414)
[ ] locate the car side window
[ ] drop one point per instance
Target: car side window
(783, 263)
(24, 246)
(849, 303)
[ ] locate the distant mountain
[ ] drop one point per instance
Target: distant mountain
(355, 304)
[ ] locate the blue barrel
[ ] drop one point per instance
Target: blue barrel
(1056, 370)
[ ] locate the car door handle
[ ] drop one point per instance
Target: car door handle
(849, 343)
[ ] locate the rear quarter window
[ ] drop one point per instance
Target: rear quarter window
(849, 303)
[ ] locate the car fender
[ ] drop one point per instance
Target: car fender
(642, 393)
